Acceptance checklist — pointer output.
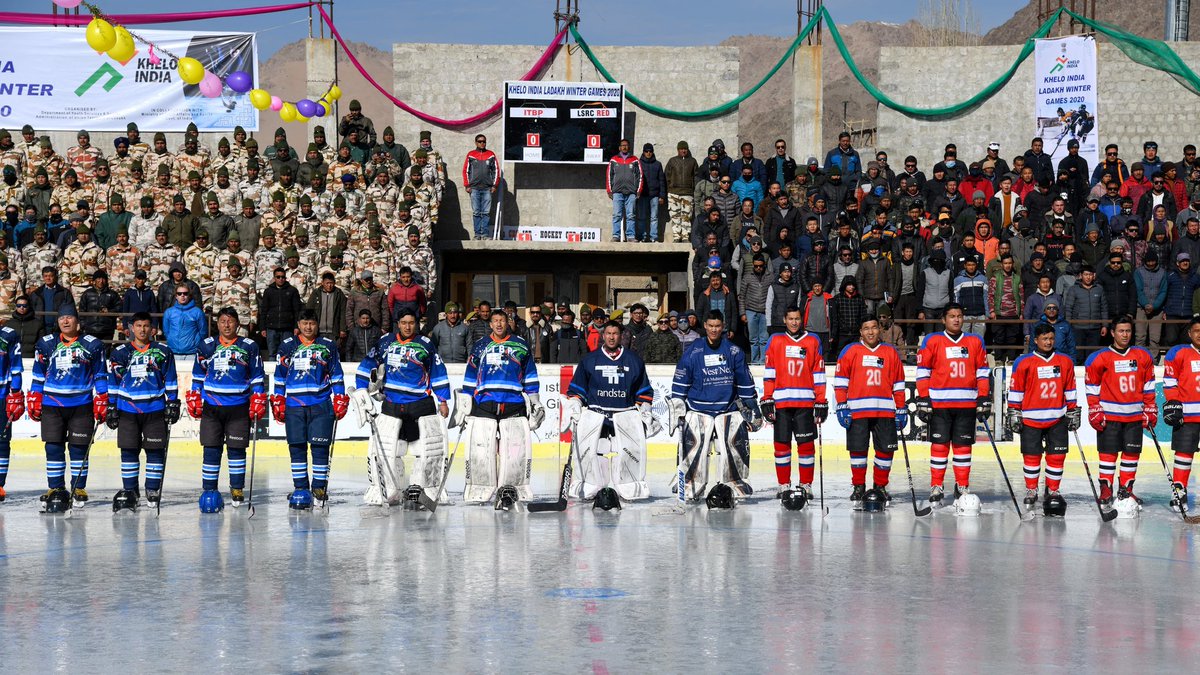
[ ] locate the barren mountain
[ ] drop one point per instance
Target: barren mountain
(1145, 19)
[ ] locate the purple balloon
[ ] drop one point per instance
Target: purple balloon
(306, 107)
(321, 110)
(239, 81)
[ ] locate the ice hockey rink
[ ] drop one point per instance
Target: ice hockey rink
(473, 590)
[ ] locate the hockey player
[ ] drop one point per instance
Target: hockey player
(1181, 385)
(498, 400)
(794, 399)
(10, 389)
(610, 402)
(147, 402)
(68, 368)
(308, 375)
(868, 386)
(1119, 384)
(226, 396)
(414, 389)
(712, 394)
(952, 394)
(1042, 409)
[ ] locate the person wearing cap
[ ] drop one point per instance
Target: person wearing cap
(181, 224)
(1137, 184)
(279, 219)
(992, 154)
(398, 152)
(218, 225)
(233, 249)
(12, 190)
(383, 190)
(82, 157)
(122, 260)
(420, 196)
(1085, 306)
(229, 198)
(681, 174)
(38, 255)
(224, 159)
(81, 259)
(450, 335)
(328, 152)
(10, 154)
(99, 299)
(158, 257)
(200, 259)
(46, 158)
(433, 174)
(159, 157)
(313, 164)
(265, 258)
(70, 192)
(354, 120)
(652, 196)
(191, 158)
(11, 287)
(39, 195)
(975, 181)
(624, 182)
(418, 256)
(103, 188)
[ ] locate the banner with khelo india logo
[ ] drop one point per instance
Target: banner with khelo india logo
(1065, 96)
(51, 79)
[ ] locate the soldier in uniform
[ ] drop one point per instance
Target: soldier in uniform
(122, 261)
(307, 218)
(15, 262)
(181, 225)
(143, 225)
(297, 275)
(310, 257)
(424, 193)
(433, 179)
(436, 160)
(103, 189)
(136, 188)
(225, 159)
(191, 156)
(200, 259)
(48, 160)
(11, 287)
(396, 150)
(321, 197)
(29, 148)
(194, 194)
(356, 200)
(267, 258)
(248, 224)
(362, 227)
(217, 224)
(80, 261)
(12, 190)
(385, 195)
(108, 223)
(419, 257)
(39, 254)
(158, 257)
(287, 186)
(328, 152)
(283, 159)
(239, 144)
(280, 220)
(163, 191)
(158, 156)
(70, 192)
(355, 121)
(377, 257)
(120, 165)
(341, 167)
(229, 198)
(10, 154)
(236, 290)
(338, 220)
(252, 186)
(407, 216)
(381, 164)
(233, 249)
(313, 165)
(137, 147)
(343, 274)
(265, 173)
(82, 157)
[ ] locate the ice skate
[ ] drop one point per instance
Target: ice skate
(1031, 497)
(1106, 493)
(1178, 496)
(937, 494)
(806, 488)
(885, 495)
(856, 497)
(80, 496)
(237, 497)
(153, 496)
(1126, 492)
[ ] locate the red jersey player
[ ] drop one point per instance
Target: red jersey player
(794, 398)
(869, 387)
(1181, 384)
(1042, 408)
(1120, 396)
(952, 393)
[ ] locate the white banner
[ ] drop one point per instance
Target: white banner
(571, 235)
(1065, 100)
(51, 79)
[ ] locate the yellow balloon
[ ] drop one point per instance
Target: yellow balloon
(260, 99)
(124, 49)
(100, 35)
(191, 71)
(301, 118)
(287, 113)
(334, 93)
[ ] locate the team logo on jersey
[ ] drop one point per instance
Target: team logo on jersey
(611, 374)
(956, 352)
(869, 361)
(1195, 366)
(713, 360)
(142, 366)
(225, 357)
(1125, 366)
(67, 356)
(794, 352)
(400, 354)
(1047, 372)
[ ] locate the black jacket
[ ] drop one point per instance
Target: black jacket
(61, 297)
(567, 345)
(93, 300)
(29, 327)
(360, 340)
(279, 307)
(166, 291)
(789, 169)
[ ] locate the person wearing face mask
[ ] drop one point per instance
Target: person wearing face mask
(934, 288)
(847, 310)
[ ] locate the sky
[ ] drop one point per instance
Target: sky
(381, 23)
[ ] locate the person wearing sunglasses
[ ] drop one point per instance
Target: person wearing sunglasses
(184, 323)
(1111, 164)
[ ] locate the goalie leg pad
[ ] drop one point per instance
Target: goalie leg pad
(516, 455)
(629, 465)
(481, 460)
(697, 434)
(733, 442)
(389, 454)
(587, 481)
(429, 454)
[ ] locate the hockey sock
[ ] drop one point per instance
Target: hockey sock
(938, 454)
(1033, 470)
(79, 469)
(56, 465)
(858, 468)
(5, 452)
(156, 461)
(1183, 468)
(210, 470)
(783, 463)
(1129, 463)
(320, 457)
(130, 468)
(1108, 466)
(883, 468)
(806, 462)
(299, 453)
(962, 465)
(1054, 471)
(237, 468)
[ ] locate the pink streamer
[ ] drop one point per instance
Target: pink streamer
(537, 69)
(136, 19)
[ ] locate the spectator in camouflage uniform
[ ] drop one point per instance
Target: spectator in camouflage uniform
(355, 121)
(70, 192)
(11, 288)
(143, 227)
(191, 160)
(381, 164)
(39, 254)
(122, 261)
(82, 157)
(376, 256)
(384, 194)
(229, 198)
(236, 290)
(310, 257)
(343, 166)
(194, 194)
(159, 157)
(328, 152)
(320, 196)
(137, 147)
(286, 185)
(338, 220)
(343, 274)
(266, 258)
(120, 165)
(102, 187)
(136, 188)
(225, 159)
(80, 261)
(253, 186)
(279, 219)
(307, 219)
(158, 257)
(10, 154)
(233, 249)
(47, 159)
(398, 152)
(409, 214)
(432, 180)
(420, 258)
(200, 259)
(297, 275)
(663, 345)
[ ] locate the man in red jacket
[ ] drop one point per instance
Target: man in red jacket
(406, 294)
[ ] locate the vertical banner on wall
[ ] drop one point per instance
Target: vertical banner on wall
(1065, 86)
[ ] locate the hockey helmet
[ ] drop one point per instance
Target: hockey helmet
(720, 497)
(506, 497)
(1127, 508)
(210, 502)
(300, 499)
(793, 500)
(125, 499)
(967, 504)
(607, 499)
(1055, 505)
(873, 501)
(58, 500)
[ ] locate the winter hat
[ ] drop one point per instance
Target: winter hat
(978, 194)
(681, 145)
(648, 147)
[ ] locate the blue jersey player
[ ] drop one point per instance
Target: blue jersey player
(10, 391)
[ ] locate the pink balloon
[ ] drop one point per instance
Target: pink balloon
(276, 103)
(154, 59)
(211, 85)
(68, 4)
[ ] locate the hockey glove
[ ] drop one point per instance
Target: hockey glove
(768, 409)
(258, 406)
(195, 404)
(752, 416)
(341, 404)
(537, 414)
(572, 409)
(33, 402)
(112, 418)
(171, 412)
(1014, 422)
(363, 408)
(1074, 418)
(1172, 413)
(1149, 415)
(278, 407)
(649, 421)
(983, 408)
(1096, 417)
(676, 412)
(901, 419)
(15, 404)
(820, 413)
(462, 408)
(843, 415)
(924, 409)
(100, 407)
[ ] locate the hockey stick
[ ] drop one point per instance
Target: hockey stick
(423, 498)
(1182, 508)
(988, 428)
(564, 485)
(1105, 516)
(912, 489)
(681, 472)
(329, 467)
(250, 486)
(821, 471)
(162, 480)
(76, 476)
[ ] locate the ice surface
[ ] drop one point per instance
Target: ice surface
(471, 590)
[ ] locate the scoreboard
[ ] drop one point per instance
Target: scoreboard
(562, 122)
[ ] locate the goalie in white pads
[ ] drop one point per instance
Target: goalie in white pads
(713, 397)
(610, 402)
(499, 402)
(412, 385)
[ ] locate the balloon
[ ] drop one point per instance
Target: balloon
(239, 81)
(301, 118)
(211, 85)
(154, 60)
(124, 49)
(306, 107)
(334, 93)
(287, 113)
(101, 35)
(68, 4)
(191, 71)
(276, 103)
(320, 111)
(260, 99)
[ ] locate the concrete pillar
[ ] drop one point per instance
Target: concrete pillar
(319, 61)
(807, 102)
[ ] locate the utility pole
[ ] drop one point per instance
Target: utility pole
(566, 13)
